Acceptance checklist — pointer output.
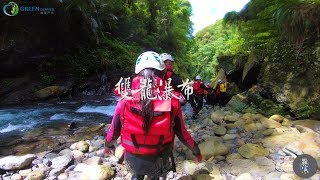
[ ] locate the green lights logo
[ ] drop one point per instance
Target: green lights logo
(11, 9)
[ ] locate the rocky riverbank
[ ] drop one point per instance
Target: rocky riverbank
(234, 146)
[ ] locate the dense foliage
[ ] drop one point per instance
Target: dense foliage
(261, 27)
(83, 36)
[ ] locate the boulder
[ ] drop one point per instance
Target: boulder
(25, 172)
(212, 147)
(237, 103)
(270, 123)
(93, 161)
(219, 130)
(229, 137)
(239, 166)
(244, 176)
(217, 116)
(82, 146)
(277, 118)
(61, 161)
(232, 118)
(100, 172)
(251, 127)
(233, 156)
(312, 124)
(51, 91)
(16, 177)
(268, 132)
(252, 150)
(16, 162)
(37, 174)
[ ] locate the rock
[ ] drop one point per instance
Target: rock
(232, 118)
(286, 122)
(73, 146)
(237, 103)
(119, 151)
(281, 140)
(233, 156)
(277, 118)
(186, 177)
(93, 161)
(294, 147)
(250, 127)
(16, 177)
(51, 91)
(289, 176)
(98, 143)
(252, 150)
(97, 172)
(203, 177)
(16, 162)
(217, 116)
(219, 130)
(100, 153)
(66, 152)
(208, 122)
(78, 155)
(239, 166)
(239, 124)
(190, 167)
(61, 161)
(273, 175)
(247, 117)
(81, 167)
(37, 174)
(268, 132)
(312, 124)
(270, 123)
(229, 137)
(82, 146)
(231, 126)
(287, 166)
(259, 126)
(212, 148)
(244, 176)
(24, 173)
(74, 175)
(56, 172)
(63, 176)
(51, 156)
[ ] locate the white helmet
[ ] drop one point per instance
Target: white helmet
(148, 59)
(198, 77)
(166, 56)
(219, 81)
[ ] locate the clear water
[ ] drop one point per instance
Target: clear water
(18, 120)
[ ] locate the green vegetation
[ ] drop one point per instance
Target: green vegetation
(261, 27)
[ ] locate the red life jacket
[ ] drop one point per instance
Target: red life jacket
(169, 72)
(197, 88)
(133, 137)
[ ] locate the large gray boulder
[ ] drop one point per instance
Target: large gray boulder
(16, 162)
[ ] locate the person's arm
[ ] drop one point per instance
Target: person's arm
(115, 128)
(184, 136)
(176, 81)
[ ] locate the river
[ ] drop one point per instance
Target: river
(51, 119)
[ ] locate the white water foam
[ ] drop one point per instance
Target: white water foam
(10, 127)
(107, 110)
(68, 117)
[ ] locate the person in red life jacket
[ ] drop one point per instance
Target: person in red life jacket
(209, 94)
(147, 127)
(198, 93)
(176, 80)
